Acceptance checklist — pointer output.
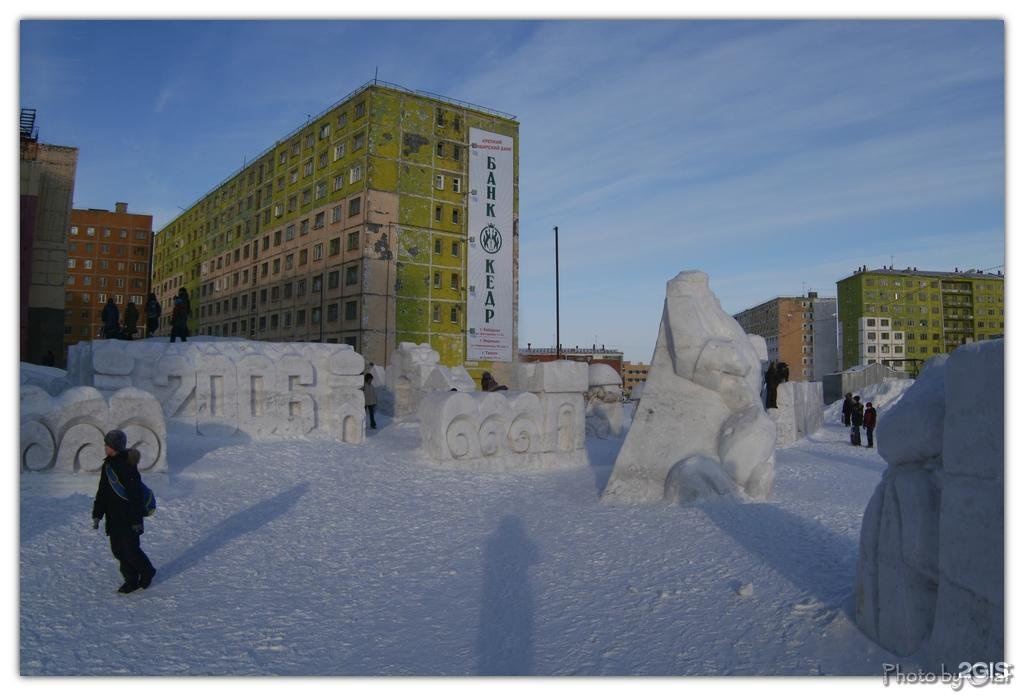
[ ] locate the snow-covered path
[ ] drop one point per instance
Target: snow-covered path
(293, 558)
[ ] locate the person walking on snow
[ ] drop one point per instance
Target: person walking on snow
(119, 500)
(857, 418)
(870, 418)
(847, 408)
(369, 398)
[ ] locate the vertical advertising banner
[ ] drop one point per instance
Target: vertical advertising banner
(489, 306)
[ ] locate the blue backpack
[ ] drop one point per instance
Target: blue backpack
(148, 499)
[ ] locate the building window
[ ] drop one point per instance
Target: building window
(351, 275)
(360, 109)
(318, 252)
(318, 221)
(455, 249)
(351, 310)
(456, 184)
(437, 246)
(354, 206)
(334, 247)
(353, 241)
(339, 151)
(455, 314)
(303, 227)
(303, 256)
(336, 213)
(358, 141)
(437, 279)
(455, 216)
(339, 182)
(325, 131)
(333, 280)
(436, 313)
(439, 182)
(314, 316)
(440, 149)
(437, 213)
(355, 173)
(332, 312)
(455, 281)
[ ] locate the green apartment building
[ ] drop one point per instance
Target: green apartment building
(900, 318)
(390, 217)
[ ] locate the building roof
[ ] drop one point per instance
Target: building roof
(970, 273)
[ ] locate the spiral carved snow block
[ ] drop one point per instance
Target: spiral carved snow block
(700, 408)
(504, 430)
(943, 442)
(65, 433)
(306, 390)
(604, 416)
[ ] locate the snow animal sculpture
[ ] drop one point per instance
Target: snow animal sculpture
(604, 402)
(943, 442)
(414, 372)
(65, 432)
(699, 429)
(541, 427)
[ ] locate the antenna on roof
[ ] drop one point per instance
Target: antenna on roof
(375, 74)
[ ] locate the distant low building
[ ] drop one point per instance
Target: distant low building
(594, 354)
(632, 375)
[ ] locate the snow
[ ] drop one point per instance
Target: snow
(882, 396)
(292, 557)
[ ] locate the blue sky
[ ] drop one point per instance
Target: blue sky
(775, 155)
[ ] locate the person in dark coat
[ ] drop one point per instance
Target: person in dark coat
(488, 383)
(183, 294)
(870, 418)
(369, 398)
(131, 320)
(847, 408)
(123, 514)
(110, 316)
(857, 419)
(179, 320)
(771, 386)
(152, 315)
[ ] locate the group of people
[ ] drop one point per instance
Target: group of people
(856, 416)
(111, 318)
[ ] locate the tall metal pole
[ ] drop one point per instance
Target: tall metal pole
(558, 336)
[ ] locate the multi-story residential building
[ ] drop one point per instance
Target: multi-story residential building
(594, 354)
(390, 217)
(902, 317)
(47, 174)
(632, 375)
(109, 256)
(799, 331)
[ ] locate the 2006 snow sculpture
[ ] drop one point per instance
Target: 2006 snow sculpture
(700, 429)
(541, 427)
(943, 442)
(414, 372)
(65, 433)
(604, 402)
(263, 389)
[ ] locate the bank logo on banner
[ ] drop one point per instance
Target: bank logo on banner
(490, 239)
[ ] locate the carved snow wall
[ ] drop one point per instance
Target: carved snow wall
(65, 432)
(261, 389)
(413, 373)
(700, 429)
(930, 568)
(800, 411)
(604, 402)
(542, 428)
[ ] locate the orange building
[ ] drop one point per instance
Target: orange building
(632, 375)
(109, 256)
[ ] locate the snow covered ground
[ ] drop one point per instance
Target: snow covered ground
(292, 558)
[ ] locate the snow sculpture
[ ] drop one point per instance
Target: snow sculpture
(800, 411)
(65, 433)
(541, 427)
(943, 442)
(604, 402)
(309, 390)
(414, 372)
(51, 379)
(699, 429)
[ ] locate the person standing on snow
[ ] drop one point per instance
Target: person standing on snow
(847, 408)
(131, 320)
(110, 316)
(152, 315)
(369, 398)
(179, 320)
(870, 418)
(857, 419)
(119, 500)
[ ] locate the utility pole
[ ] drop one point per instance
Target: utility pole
(558, 336)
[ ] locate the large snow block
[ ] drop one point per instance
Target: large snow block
(503, 431)
(800, 411)
(700, 403)
(943, 445)
(307, 390)
(65, 433)
(972, 442)
(604, 415)
(415, 372)
(553, 376)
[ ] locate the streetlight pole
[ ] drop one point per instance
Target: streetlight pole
(558, 337)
